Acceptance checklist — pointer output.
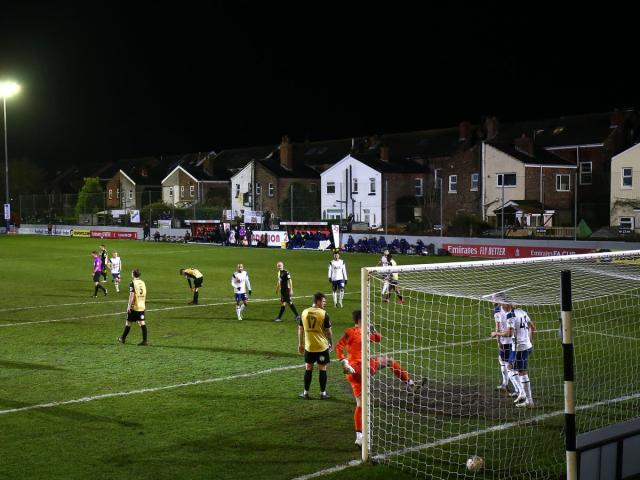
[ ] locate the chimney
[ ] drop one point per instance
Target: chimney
(384, 153)
(491, 127)
(465, 131)
(286, 153)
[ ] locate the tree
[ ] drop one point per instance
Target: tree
(91, 197)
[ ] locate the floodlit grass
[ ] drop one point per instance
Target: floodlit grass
(214, 397)
(243, 420)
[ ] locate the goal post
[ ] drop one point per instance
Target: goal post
(435, 322)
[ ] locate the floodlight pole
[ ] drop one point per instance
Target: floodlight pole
(6, 160)
(441, 217)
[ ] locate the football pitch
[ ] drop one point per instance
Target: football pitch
(215, 397)
(210, 397)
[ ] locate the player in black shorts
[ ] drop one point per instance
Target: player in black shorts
(285, 287)
(104, 255)
(136, 307)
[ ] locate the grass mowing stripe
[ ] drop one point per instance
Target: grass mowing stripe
(257, 300)
(121, 300)
(147, 390)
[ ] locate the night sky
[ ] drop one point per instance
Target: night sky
(108, 80)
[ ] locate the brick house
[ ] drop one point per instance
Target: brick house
(588, 141)
(133, 183)
(625, 190)
(534, 188)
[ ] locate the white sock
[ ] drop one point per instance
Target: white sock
(238, 310)
(341, 296)
(505, 372)
(242, 305)
(335, 298)
(526, 385)
(515, 381)
(358, 435)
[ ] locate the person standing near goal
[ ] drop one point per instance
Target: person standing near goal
(115, 265)
(241, 285)
(284, 285)
(391, 283)
(523, 328)
(337, 278)
(97, 271)
(315, 340)
(504, 335)
(104, 256)
(351, 340)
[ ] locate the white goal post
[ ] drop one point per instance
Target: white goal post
(436, 324)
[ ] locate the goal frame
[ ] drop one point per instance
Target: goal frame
(365, 287)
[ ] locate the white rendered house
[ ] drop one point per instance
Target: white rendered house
(352, 187)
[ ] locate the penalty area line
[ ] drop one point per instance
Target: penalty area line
(147, 390)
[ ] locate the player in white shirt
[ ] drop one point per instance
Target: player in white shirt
(523, 329)
(115, 265)
(337, 278)
(241, 285)
(504, 335)
(384, 262)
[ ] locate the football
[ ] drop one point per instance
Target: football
(475, 464)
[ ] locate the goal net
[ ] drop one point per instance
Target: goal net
(440, 334)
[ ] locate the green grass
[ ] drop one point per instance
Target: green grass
(212, 397)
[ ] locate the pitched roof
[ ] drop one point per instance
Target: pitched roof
(300, 170)
(540, 155)
(229, 162)
(372, 160)
(423, 144)
(142, 170)
(587, 129)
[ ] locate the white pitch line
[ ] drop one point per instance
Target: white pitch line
(146, 390)
(122, 300)
(328, 471)
(623, 337)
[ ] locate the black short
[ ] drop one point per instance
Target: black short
(197, 282)
(135, 316)
(96, 276)
(285, 297)
(321, 358)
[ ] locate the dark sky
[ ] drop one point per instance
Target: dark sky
(109, 80)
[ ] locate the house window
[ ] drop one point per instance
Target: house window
(419, 186)
(475, 179)
(563, 182)
(130, 194)
(626, 222)
(110, 193)
(331, 187)
(627, 179)
(118, 193)
(453, 183)
(192, 190)
(437, 175)
(355, 185)
(258, 188)
(181, 191)
(237, 190)
(506, 179)
(585, 173)
(372, 186)
(271, 189)
(170, 191)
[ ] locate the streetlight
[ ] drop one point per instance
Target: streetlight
(7, 89)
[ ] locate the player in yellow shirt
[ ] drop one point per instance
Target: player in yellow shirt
(135, 308)
(195, 275)
(315, 340)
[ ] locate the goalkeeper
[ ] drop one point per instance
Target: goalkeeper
(352, 365)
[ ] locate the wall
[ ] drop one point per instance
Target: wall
(498, 162)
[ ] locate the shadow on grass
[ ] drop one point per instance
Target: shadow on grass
(68, 414)
(240, 351)
(27, 366)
